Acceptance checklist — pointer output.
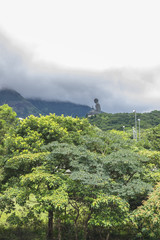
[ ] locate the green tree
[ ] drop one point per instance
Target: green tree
(154, 138)
(110, 212)
(27, 171)
(7, 121)
(34, 132)
(107, 142)
(126, 170)
(74, 172)
(147, 217)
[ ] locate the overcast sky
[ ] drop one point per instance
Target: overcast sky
(78, 50)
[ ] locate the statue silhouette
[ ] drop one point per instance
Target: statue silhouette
(97, 105)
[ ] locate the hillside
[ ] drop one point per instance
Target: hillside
(105, 121)
(109, 121)
(25, 107)
(20, 105)
(66, 108)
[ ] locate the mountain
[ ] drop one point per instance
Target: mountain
(66, 108)
(25, 107)
(105, 121)
(20, 105)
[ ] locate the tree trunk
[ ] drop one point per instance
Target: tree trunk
(76, 233)
(50, 225)
(85, 231)
(75, 224)
(59, 229)
(86, 225)
(107, 237)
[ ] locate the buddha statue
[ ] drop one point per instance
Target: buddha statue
(97, 105)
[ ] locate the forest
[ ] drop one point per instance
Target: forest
(109, 121)
(64, 178)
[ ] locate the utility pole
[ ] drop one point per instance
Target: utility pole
(135, 124)
(139, 120)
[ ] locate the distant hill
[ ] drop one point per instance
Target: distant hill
(105, 121)
(20, 105)
(25, 107)
(109, 121)
(66, 108)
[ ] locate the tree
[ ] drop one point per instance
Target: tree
(126, 170)
(107, 142)
(8, 120)
(74, 172)
(147, 216)
(29, 170)
(152, 172)
(34, 132)
(153, 136)
(110, 212)
(45, 176)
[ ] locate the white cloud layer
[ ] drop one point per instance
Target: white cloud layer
(118, 90)
(86, 34)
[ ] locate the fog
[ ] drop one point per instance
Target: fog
(118, 90)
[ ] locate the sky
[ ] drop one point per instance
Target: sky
(78, 50)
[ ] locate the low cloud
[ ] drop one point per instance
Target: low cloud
(118, 90)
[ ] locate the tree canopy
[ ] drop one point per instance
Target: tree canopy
(77, 180)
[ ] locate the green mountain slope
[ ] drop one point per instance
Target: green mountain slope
(66, 108)
(109, 121)
(25, 107)
(20, 105)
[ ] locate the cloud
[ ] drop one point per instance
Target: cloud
(118, 90)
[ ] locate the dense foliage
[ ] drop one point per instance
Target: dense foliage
(62, 178)
(109, 121)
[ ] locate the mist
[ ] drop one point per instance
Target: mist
(118, 90)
